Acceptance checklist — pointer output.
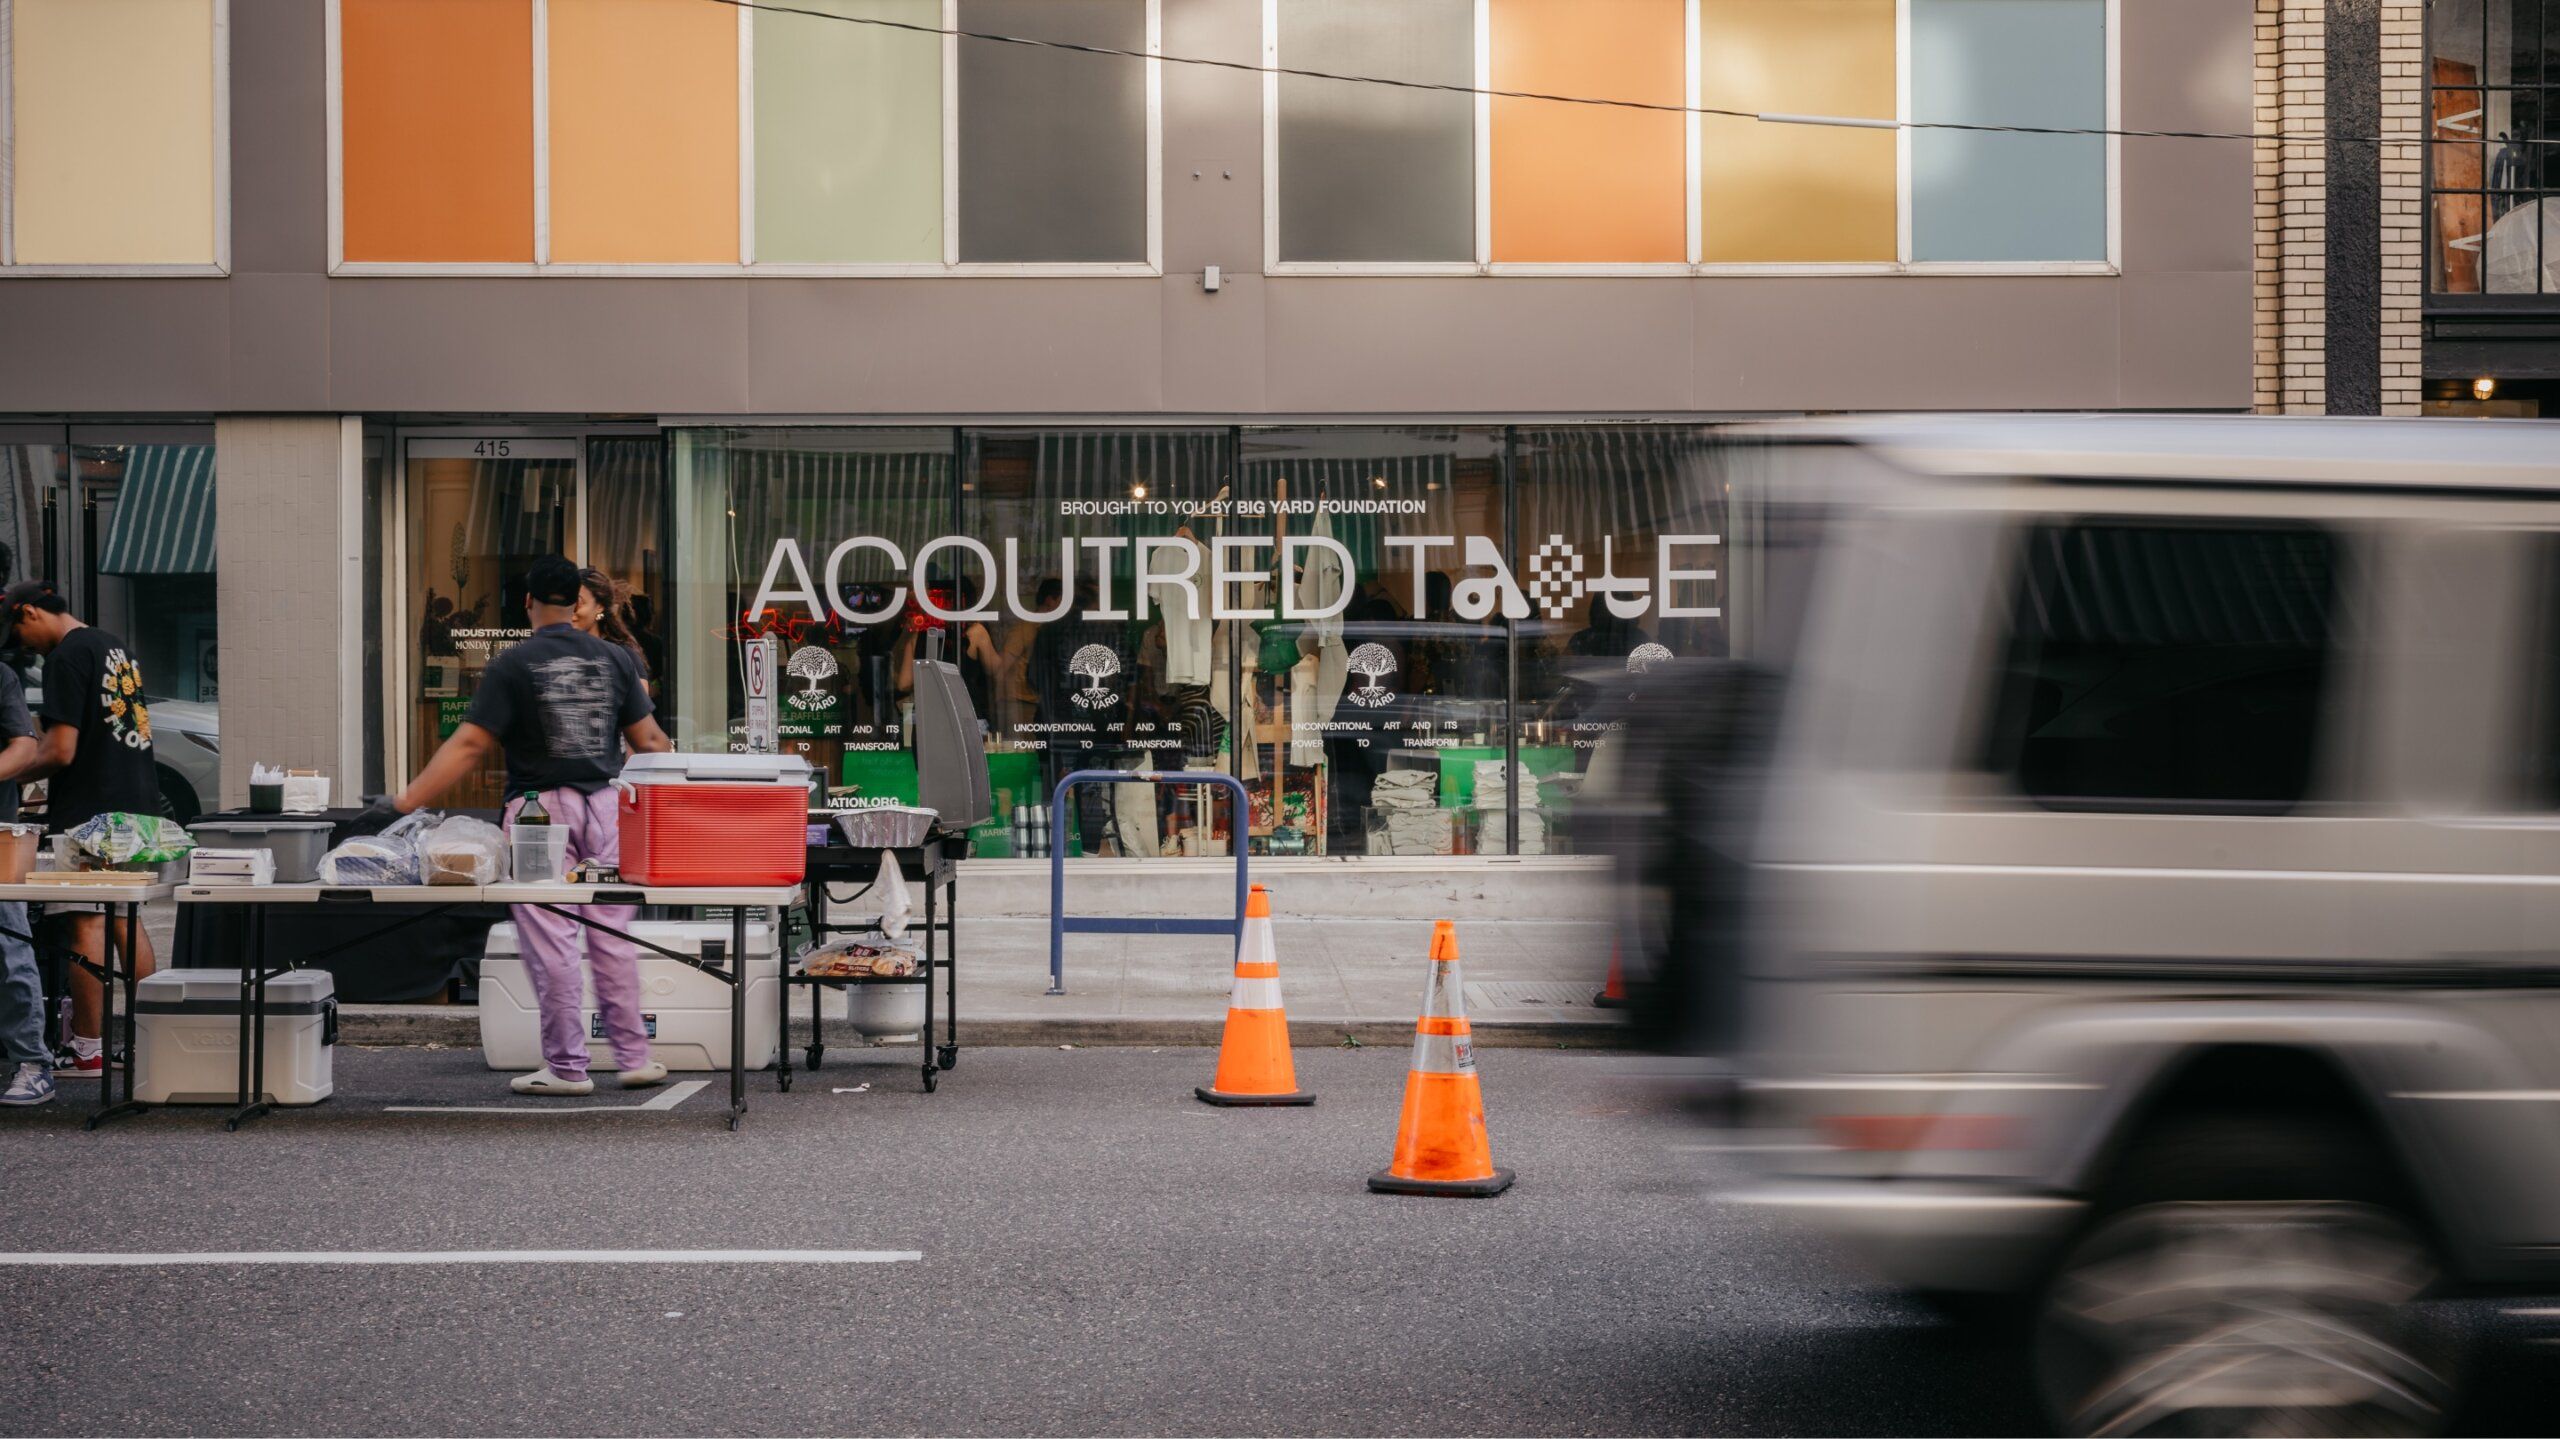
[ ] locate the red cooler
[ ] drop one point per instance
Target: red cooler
(714, 819)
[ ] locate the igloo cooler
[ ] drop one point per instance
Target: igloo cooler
(187, 1036)
(685, 1010)
(714, 819)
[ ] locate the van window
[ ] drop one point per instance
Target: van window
(2166, 667)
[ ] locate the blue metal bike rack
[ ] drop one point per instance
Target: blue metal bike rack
(1061, 924)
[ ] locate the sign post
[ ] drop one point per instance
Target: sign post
(763, 660)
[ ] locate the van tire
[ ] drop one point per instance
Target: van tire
(2249, 1273)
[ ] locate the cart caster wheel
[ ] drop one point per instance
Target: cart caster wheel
(786, 1081)
(929, 1079)
(949, 1054)
(814, 1053)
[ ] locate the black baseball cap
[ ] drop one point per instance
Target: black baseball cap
(552, 581)
(25, 595)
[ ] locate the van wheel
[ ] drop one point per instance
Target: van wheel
(2247, 1277)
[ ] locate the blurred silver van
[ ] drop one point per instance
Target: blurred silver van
(2157, 903)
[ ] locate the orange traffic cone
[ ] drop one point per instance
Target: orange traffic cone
(1613, 991)
(1441, 1144)
(1253, 1056)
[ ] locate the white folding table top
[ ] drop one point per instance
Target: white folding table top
(686, 894)
(40, 892)
(433, 894)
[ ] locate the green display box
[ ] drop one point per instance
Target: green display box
(1458, 768)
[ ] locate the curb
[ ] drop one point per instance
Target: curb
(454, 1027)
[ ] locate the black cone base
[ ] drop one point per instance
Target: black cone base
(1605, 1000)
(1251, 1101)
(1384, 1182)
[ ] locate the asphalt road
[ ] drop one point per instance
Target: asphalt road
(1099, 1254)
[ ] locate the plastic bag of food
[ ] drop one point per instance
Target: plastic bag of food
(850, 959)
(462, 850)
(120, 838)
(388, 858)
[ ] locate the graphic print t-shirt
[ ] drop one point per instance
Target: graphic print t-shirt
(92, 684)
(558, 703)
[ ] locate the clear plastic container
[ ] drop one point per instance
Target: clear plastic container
(537, 854)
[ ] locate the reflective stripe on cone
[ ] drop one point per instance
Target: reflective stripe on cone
(1254, 1064)
(1442, 1145)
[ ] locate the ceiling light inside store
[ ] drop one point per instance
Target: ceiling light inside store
(1137, 492)
(1379, 480)
(2483, 388)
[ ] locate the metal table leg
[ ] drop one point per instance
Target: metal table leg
(931, 949)
(120, 967)
(950, 976)
(737, 1014)
(253, 1036)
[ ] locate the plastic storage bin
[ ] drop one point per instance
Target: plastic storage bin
(686, 1010)
(187, 1036)
(537, 854)
(714, 819)
(297, 844)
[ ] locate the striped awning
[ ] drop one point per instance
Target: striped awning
(164, 513)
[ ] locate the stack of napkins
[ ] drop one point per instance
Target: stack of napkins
(231, 866)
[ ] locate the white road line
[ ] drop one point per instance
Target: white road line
(463, 1256)
(674, 1096)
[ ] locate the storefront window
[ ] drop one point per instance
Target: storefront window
(1373, 725)
(1084, 668)
(626, 508)
(479, 513)
(1623, 543)
(805, 536)
(127, 532)
(1352, 620)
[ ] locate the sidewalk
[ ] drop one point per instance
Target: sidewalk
(1528, 982)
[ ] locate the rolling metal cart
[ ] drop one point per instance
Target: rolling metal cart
(934, 864)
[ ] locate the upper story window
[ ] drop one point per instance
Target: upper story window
(2494, 191)
(674, 135)
(119, 156)
(1374, 178)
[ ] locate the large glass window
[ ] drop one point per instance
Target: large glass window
(1382, 729)
(2176, 667)
(1346, 618)
(849, 134)
(1376, 172)
(1623, 540)
(1082, 665)
(1583, 183)
(2493, 214)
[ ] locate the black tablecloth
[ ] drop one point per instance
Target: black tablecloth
(414, 962)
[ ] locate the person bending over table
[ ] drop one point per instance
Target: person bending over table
(28, 1062)
(561, 704)
(96, 750)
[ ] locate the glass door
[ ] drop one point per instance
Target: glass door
(479, 511)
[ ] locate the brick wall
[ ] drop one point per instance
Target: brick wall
(2290, 294)
(276, 509)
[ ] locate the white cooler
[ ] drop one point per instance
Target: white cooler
(187, 1044)
(686, 1011)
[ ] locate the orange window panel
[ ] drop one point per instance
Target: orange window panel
(1587, 183)
(436, 114)
(644, 132)
(1796, 193)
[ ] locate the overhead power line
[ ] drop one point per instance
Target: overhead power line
(1765, 117)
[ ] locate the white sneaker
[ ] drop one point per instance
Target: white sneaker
(543, 1081)
(646, 1075)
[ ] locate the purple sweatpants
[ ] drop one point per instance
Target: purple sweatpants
(550, 943)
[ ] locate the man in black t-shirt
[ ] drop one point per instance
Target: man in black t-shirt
(96, 753)
(561, 704)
